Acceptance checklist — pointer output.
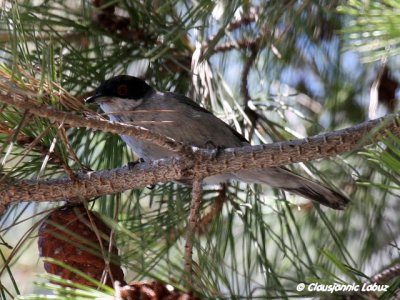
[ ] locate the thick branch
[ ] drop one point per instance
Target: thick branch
(229, 160)
(91, 184)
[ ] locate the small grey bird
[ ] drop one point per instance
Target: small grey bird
(130, 100)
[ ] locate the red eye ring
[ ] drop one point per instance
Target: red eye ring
(122, 90)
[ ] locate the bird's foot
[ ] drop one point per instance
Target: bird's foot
(210, 145)
(132, 164)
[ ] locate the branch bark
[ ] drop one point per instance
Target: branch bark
(94, 184)
(193, 221)
(53, 115)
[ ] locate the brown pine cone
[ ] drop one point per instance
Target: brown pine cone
(150, 291)
(71, 234)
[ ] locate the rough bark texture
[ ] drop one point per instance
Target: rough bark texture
(94, 184)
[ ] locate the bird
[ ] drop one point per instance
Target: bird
(130, 100)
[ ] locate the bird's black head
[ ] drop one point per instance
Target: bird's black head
(123, 86)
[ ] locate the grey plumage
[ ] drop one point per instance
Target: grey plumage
(131, 100)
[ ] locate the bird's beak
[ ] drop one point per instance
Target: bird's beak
(92, 99)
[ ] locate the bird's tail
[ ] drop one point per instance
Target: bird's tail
(285, 179)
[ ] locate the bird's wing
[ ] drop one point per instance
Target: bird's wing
(187, 101)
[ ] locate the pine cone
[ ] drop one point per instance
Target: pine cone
(70, 234)
(150, 291)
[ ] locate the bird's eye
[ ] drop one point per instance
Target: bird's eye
(122, 90)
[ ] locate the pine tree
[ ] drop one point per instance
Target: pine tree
(274, 71)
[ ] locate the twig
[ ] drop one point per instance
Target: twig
(74, 120)
(244, 19)
(193, 221)
(64, 139)
(245, 43)
(380, 278)
(244, 88)
(253, 116)
(386, 274)
(218, 204)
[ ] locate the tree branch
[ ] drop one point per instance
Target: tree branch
(193, 221)
(386, 275)
(74, 120)
(251, 114)
(201, 164)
